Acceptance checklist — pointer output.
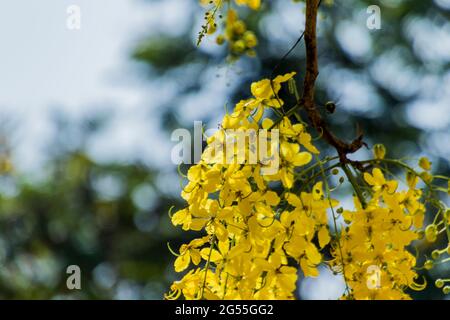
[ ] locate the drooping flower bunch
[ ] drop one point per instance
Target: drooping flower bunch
(252, 231)
(259, 226)
(261, 200)
(376, 238)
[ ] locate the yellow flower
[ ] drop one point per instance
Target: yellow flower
(324, 236)
(379, 183)
(306, 253)
(290, 152)
(182, 217)
(425, 164)
(291, 157)
(297, 132)
(265, 91)
(284, 280)
(189, 252)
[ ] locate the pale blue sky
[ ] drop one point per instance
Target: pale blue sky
(45, 66)
(46, 62)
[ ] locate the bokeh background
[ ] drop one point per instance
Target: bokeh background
(86, 117)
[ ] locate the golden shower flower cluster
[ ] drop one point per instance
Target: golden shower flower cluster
(261, 200)
(254, 234)
(262, 226)
(371, 252)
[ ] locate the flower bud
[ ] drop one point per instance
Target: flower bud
(379, 151)
(239, 27)
(250, 39)
(220, 40)
(435, 254)
(411, 179)
(239, 46)
(439, 283)
(335, 172)
(431, 233)
(446, 290)
(425, 164)
(429, 264)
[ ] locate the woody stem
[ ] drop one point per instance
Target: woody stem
(307, 100)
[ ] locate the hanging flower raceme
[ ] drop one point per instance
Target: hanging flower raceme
(259, 227)
(372, 251)
(254, 234)
(262, 202)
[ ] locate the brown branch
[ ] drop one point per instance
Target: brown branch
(312, 71)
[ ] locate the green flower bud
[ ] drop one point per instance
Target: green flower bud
(335, 171)
(439, 283)
(429, 264)
(239, 27)
(239, 46)
(446, 290)
(425, 164)
(431, 233)
(411, 179)
(250, 39)
(220, 40)
(435, 254)
(379, 151)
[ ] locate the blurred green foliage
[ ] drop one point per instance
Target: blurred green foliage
(109, 219)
